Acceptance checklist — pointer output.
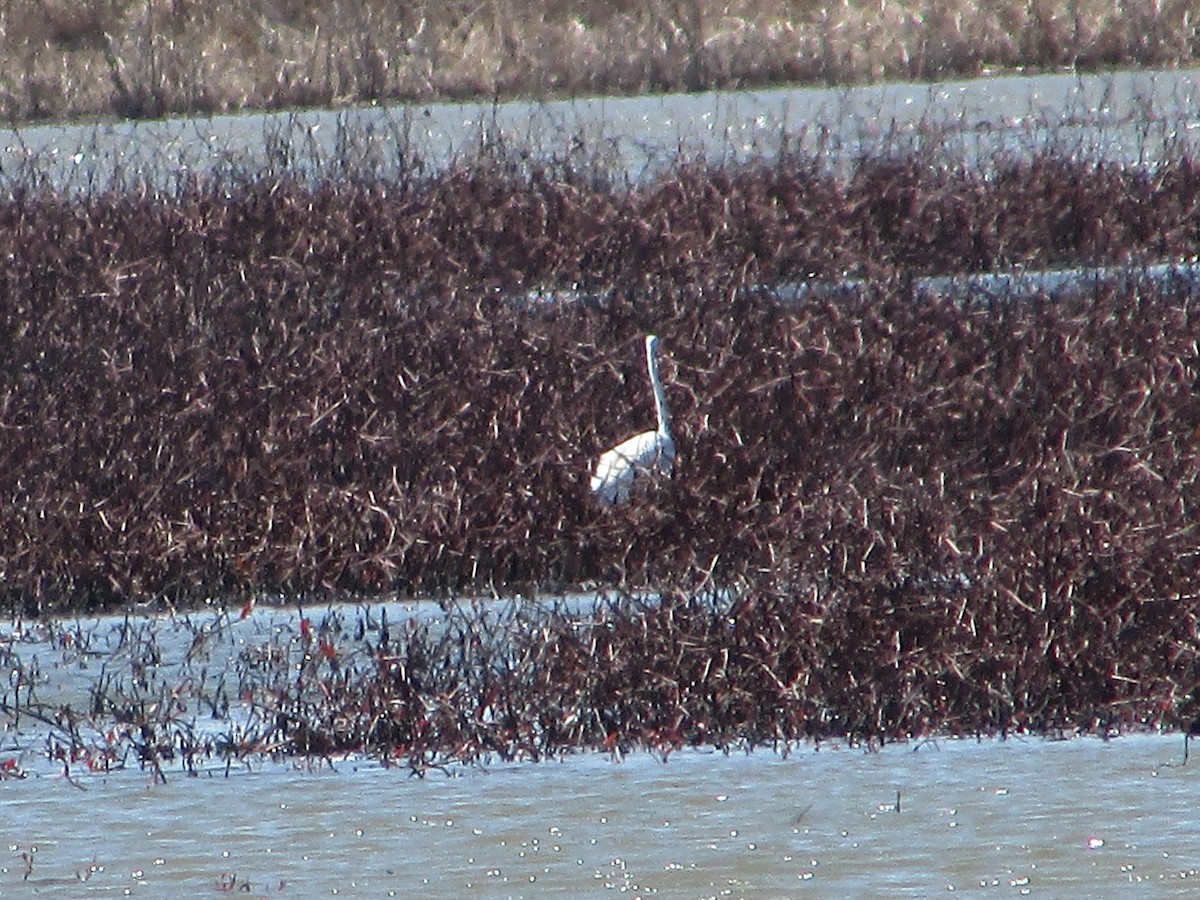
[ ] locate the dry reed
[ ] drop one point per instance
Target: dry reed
(153, 58)
(891, 516)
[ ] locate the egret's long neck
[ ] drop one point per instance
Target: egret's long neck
(660, 397)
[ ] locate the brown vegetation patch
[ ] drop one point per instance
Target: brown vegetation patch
(888, 516)
(775, 667)
(280, 388)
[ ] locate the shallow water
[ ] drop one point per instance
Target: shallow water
(1001, 818)
(974, 288)
(998, 818)
(1129, 116)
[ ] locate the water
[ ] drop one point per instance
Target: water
(974, 288)
(1133, 117)
(994, 817)
(998, 818)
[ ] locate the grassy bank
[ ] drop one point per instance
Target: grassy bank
(99, 57)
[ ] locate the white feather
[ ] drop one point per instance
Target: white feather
(646, 454)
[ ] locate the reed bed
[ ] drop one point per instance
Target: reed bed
(890, 516)
(101, 57)
(291, 389)
(529, 681)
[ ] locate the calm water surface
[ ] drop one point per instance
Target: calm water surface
(1031, 817)
(1131, 117)
(1022, 817)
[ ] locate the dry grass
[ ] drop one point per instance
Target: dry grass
(284, 388)
(890, 518)
(69, 58)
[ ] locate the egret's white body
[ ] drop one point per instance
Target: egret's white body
(648, 453)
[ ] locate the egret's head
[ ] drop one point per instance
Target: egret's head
(651, 344)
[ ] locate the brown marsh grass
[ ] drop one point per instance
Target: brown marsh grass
(270, 386)
(152, 57)
(891, 516)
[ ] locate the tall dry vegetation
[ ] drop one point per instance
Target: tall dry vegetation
(280, 387)
(890, 515)
(155, 57)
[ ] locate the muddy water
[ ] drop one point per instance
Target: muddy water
(1016, 818)
(1083, 817)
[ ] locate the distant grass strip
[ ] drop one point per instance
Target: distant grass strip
(63, 58)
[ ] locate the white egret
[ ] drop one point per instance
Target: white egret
(647, 453)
